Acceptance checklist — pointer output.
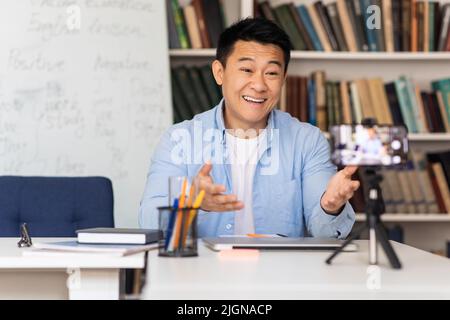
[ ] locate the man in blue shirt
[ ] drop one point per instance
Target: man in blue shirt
(263, 171)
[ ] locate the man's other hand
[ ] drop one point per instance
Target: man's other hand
(339, 190)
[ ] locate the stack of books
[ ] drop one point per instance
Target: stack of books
(194, 24)
(323, 102)
(194, 90)
(100, 241)
(353, 25)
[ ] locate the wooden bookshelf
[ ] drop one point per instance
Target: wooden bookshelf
(408, 217)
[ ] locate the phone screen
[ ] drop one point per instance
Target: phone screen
(369, 146)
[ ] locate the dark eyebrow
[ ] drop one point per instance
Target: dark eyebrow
(246, 59)
(275, 62)
(278, 63)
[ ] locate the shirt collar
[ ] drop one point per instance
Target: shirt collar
(220, 124)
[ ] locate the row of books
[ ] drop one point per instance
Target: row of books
(423, 186)
(194, 90)
(353, 25)
(194, 23)
(323, 102)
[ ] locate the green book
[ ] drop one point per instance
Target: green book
(420, 125)
(431, 25)
(184, 81)
(176, 113)
(181, 109)
(443, 86)
(284, 17)
(401, 88)
(180, 25)
(330, 103)
(199, 89)
(212, 89)
(337, 105)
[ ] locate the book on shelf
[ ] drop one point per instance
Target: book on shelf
(319, 27)
(118, 235)
(214, 20)
(357, 18)
(174, 40)
(388, 26)
(326, 23)
(336, 26)
(443, 157)
(442, 185)
(180, 25)
(352, 25)
(443, 87)
(190, 16)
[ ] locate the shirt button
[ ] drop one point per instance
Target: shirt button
(228, 226)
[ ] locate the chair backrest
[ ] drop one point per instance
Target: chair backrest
(54, 206)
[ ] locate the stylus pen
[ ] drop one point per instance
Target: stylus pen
(281, 235)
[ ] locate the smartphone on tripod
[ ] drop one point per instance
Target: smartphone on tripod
(368, 145)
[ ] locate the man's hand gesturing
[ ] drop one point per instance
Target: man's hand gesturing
(214, 199)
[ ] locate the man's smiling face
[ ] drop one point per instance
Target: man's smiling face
(251, 83)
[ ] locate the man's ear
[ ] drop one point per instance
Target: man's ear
(217, 70)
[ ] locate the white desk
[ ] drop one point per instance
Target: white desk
(73, 276)
(298, 275)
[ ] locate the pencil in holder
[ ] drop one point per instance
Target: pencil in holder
(179, 227)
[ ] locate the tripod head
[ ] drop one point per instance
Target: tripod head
(374, 196)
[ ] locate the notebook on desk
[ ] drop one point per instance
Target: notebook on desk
(276, 243)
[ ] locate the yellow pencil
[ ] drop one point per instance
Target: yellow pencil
(192, 213)
(189, 204)
(176, 236)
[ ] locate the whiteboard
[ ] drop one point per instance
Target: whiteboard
(84, 91)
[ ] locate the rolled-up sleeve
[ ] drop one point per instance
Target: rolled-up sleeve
(156, 187)
(316, 172)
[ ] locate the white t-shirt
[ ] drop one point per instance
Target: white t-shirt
(244, 157)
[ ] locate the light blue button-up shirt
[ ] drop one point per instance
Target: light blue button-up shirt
(292, 174)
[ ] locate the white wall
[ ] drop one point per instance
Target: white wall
(84, 90)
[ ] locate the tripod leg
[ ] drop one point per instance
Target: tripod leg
(387, 247)
(350, 239)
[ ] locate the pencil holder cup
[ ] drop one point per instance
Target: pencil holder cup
(179, 227)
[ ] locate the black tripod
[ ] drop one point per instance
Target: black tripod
(377, 233)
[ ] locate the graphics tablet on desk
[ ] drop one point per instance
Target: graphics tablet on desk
(281, 243)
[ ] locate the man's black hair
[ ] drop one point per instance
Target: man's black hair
(259, 30)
